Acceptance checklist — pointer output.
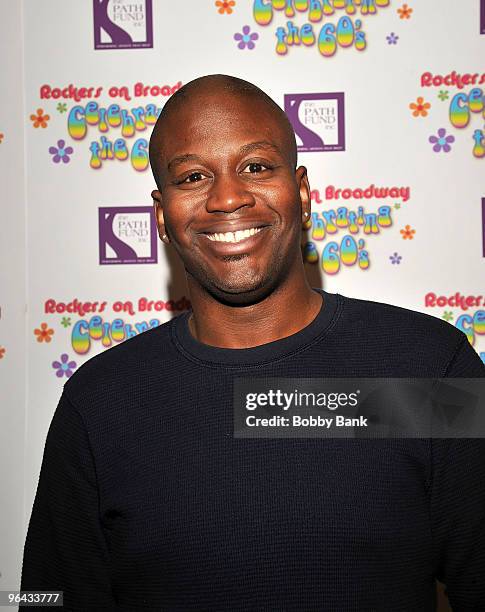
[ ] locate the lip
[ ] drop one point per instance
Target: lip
(232, 226)
(235, 248)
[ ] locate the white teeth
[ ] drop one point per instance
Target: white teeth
(236, 236)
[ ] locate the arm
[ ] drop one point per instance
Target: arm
(458, 503)
(65, 548)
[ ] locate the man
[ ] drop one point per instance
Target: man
(147, 501)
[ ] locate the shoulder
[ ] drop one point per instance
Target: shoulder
(407, 338)
(123, 366)
(397, 318)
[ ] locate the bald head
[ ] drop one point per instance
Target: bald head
(203, 95)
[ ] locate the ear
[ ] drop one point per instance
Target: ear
(158, 209)
(305, 193)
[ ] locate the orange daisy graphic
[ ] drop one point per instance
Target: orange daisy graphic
(225, 6)
(420, 107)
(405, 12)
(2, 136)
(39, 119)
(408, 233)
(44, 333)
(2, 352)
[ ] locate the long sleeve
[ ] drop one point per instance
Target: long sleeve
(65, 548)
(458, 504)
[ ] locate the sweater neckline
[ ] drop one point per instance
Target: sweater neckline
(187, 344)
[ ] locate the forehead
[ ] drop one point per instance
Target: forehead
(220, 122)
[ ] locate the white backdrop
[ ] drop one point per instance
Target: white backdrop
(395, 94)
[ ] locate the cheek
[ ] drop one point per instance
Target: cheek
(283, 199)
(180, 212)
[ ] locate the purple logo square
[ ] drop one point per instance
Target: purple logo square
(127, 235)
(123, 24)
(318, 120)
(482, 16)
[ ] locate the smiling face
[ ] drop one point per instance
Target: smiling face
(230, 199)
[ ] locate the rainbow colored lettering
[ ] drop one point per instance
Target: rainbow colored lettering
(345, 33)
(85, 331)
(462, 105)
(349, 251)
(472, 325)
(114, 117)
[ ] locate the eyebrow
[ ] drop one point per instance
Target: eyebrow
(180, 159)
(244, 150)
(261, 144)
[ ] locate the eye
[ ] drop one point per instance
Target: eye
(194, 177)
(255, 168)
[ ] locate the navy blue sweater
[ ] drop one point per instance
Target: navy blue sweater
(146, 501)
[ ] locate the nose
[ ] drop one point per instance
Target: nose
(228, 194)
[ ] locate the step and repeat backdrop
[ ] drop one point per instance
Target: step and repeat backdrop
(386, 99)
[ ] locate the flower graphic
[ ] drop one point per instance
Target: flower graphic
(405, 12)
(61, 152)
(66, 321)
(420, 108)
(408, 233)
(443, 95)
(62, 107)
(395, 258)
(2, 352)
(40, 120)
(225, 6)
(44, 333)
(392, 39)
(448, 315)
(64, 367)
(2, 136)
(397, 206)
(441, 142)
(246, 39)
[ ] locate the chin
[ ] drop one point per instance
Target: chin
(240, 291)
(237, 283)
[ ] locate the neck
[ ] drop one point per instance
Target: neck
(288, 309)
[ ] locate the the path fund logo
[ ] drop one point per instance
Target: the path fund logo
(123, 24)
(127, 235)
(318, 120)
